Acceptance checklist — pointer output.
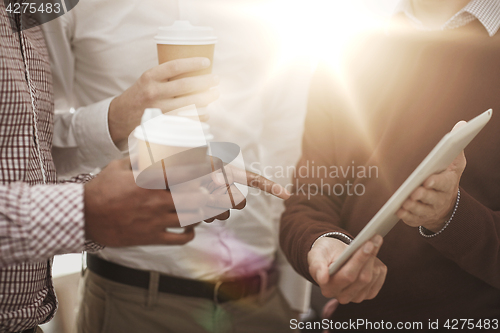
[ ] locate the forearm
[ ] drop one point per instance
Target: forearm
(313, 211)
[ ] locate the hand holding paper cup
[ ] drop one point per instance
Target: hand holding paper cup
(183, 40)
(182, 78)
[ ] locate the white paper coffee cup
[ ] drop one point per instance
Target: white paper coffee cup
(165, 136)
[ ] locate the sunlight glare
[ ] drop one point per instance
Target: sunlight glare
(316, 29)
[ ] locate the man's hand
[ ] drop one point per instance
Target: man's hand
(361, 277)
(155, 90)
(251, 179)
(119, 213)
(219, 190)
(432, 203)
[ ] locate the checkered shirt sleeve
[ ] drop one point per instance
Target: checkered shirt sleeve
(38, 217)
(40, 221)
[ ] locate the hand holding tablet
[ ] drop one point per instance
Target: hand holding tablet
(442, 158)
(361, 278)
(432, 204)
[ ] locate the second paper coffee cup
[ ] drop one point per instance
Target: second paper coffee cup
(166, 137)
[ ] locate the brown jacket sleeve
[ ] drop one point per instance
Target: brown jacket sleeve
(314, 208)
(472, 240)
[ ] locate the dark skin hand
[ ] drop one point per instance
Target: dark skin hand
(119, 213)
(219, 189)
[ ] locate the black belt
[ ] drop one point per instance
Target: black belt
(219, 292)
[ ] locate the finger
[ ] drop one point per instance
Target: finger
(178, 219)
(162, 201)
(379, 281)
(177, 67)
(239, 199)
(371, 290)
(157, 201)
(186, 218)
(418, 209)
(191, 201)
(368, 279)
(170, 238)
(200, 99)
(319, 271)
(211, 213)
(362, 294)
(318, 266)
(407, 217)
(349, 273)
(227, 197)
(441, 182)
(411, 219)
(220, 198)
(257, 181)
(223, 216)
(218, 176)
(425, 196)
(187, 85)
(368, 292)
(323, 253)
(357, 291)
(459, 163)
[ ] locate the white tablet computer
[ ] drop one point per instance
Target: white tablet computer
(437, 161)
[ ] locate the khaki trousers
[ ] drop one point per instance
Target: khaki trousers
(111, 307)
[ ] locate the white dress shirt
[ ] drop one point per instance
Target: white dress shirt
(485, 11)
(100, 48)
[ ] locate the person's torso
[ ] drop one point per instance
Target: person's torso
(113, 48)
(409, 91)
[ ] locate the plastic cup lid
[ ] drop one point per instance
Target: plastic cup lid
(184, 33)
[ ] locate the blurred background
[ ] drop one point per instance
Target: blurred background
(303, 31)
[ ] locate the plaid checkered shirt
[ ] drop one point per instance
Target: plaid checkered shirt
(38, 219)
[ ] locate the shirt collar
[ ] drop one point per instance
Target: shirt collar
(485, 11)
